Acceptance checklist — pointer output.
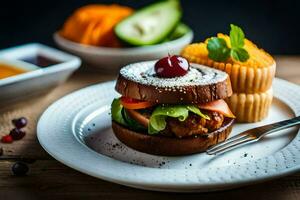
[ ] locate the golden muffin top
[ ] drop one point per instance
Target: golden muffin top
(257, 57)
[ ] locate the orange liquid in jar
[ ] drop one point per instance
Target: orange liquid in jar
(7, 71)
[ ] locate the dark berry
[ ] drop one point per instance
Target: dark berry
(171, 66)
(17, 134)
(20, 169)
(1, 151)
(7, 139)
(20, 122)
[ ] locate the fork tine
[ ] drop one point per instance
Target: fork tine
(251, 135)
(224, 144)
(229, 140)
(231, 145)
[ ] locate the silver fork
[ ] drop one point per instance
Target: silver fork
(251, 135)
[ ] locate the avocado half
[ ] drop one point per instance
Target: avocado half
(150, 25)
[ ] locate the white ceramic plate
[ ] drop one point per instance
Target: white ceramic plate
(111, 59)
(76, 131)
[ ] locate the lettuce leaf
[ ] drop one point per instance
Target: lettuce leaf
(197, 111)
(158, 122)
(116, 112)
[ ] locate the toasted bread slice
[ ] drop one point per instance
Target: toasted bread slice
(200, 85)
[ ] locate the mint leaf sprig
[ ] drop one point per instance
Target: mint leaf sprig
(219, 51)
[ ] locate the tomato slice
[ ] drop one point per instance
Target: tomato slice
(218, 106)
(135, 104)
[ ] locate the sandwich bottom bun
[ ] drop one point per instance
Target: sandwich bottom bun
(171, 146)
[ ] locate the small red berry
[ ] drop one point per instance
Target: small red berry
(17, 134)
(7, 139)
(171, 66)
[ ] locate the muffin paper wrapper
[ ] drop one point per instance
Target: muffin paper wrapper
(250, 107)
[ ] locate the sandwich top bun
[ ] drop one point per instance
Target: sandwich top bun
(200, 85)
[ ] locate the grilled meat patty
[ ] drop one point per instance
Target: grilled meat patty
(193, 125)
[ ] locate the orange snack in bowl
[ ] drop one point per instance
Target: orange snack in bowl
(94, 24)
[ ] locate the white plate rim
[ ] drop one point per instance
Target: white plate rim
(181, 182)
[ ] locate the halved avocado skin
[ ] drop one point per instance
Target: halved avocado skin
(127, 41)
(180, 30)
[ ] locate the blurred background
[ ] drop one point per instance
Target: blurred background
(273, 25)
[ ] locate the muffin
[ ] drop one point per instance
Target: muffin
(251, 79)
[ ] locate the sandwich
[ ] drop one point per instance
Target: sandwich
(171, 107)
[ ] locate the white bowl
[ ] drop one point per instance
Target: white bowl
(113, 58)
(38, 79)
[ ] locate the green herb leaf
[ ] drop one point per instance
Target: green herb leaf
(239, 54)
(218, 49)
(237, 37)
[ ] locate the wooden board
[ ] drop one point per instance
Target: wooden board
(49, 179)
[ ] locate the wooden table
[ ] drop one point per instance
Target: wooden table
(50, 179)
